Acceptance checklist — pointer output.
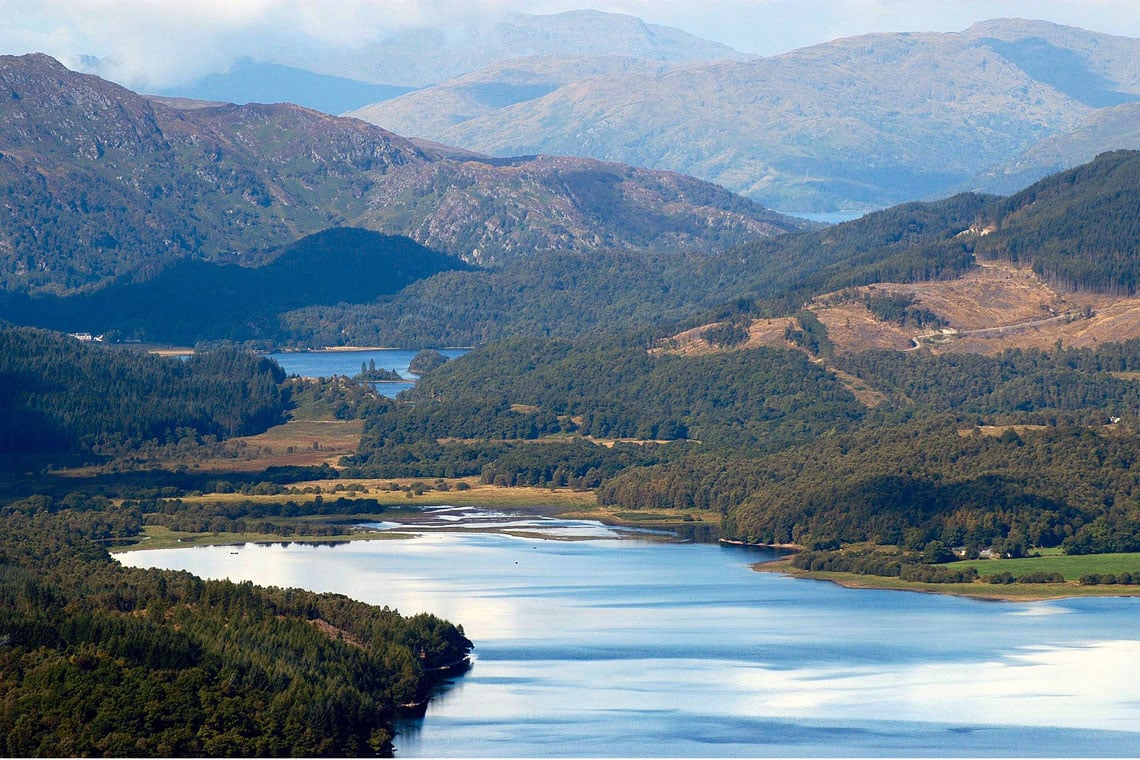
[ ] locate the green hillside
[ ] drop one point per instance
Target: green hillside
(60, 397)
(1078, 228)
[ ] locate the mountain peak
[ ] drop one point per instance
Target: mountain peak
(856, 123)
(1014, 28)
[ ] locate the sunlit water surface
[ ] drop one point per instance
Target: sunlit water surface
(592, 643)
(348, 363)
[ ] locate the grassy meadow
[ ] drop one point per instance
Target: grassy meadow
(1071, 566)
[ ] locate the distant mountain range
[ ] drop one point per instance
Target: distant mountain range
(249, 81)
(344, 78)
(101, 184)
(1106, 129)
(856, 123)
(427, 55)
(853, 124)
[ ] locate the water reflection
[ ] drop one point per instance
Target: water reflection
(348, 362)
(482, 520)
(606, 646)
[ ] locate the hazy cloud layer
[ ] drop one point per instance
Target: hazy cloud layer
(154, 43)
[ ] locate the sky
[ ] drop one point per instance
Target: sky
(169, 42)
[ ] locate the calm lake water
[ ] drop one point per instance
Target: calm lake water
(827, 217)
(610, 646)
(334, 362)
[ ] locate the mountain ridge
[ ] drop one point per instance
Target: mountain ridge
(851, 123)
(422, 56)
(249, 81)
(338, 78)
(104, 183)
(1055, 262)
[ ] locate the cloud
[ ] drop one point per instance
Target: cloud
(155, 43)
(160, 42)
(142, 42)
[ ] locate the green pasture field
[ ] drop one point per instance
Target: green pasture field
(1071, 566)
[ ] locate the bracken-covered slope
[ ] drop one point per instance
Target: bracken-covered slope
(1057, 261)
(100, 183)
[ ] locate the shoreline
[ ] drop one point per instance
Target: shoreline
(1014, 592)
(352, 349)
(563, 503)
(738, 542)
(986, 592)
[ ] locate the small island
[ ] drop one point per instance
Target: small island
(369, 373)
(426, 361)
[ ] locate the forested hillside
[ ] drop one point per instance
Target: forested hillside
(60, 397)
(560, 294)
(102, 660)
(1079, 228)
(1057, 469)
(1025, 449)
(484, 415)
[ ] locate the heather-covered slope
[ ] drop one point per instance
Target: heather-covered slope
(102, 184)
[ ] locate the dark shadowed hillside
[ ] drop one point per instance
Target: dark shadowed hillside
(193, 300)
